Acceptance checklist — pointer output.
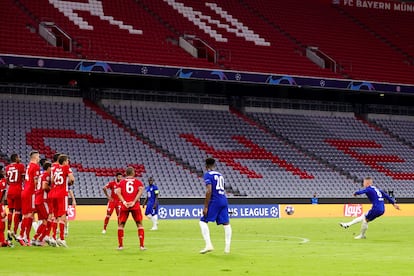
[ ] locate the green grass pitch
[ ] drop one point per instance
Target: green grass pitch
(297, 246)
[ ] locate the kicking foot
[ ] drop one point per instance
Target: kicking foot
(344, 225)
(104, 231)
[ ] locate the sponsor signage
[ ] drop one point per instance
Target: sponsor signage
(235, 211)
(71, 213)
(12, 61)
(353, 210)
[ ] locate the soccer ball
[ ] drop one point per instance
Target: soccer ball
(289, 210)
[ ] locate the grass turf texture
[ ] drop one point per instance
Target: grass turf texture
(260, 247)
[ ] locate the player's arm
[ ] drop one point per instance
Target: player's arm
(121, 198)
(156, 199)
(45, 185)
(104, 189)
(71, 179)
(138, 196)
(390, 200)
(72, 196)
(360, 192)
(207, 199)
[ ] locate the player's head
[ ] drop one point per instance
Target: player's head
(210, 163)
(118, 176)
(63, 159)
(47, 165)
(130, 171)
(34, 156)
(56, 157)
(367, 181)
(14, 158)
(42, 161)
(1, 171)
(151, 180)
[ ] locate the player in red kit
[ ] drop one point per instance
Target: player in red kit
(113, 200)
(28, 196)
(51, 239)
(129, 192)
(62, 176)
(41, 204)
(15, 175)
(3, 218)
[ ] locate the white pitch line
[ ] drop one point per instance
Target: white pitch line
(301, 239)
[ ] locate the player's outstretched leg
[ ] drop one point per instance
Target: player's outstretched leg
(354, 221)
(205, 232)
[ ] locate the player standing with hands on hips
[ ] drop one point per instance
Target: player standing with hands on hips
(376, 197)
(215, 207)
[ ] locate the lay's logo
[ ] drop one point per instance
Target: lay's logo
(352, 210)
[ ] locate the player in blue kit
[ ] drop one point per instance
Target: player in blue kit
(151, 201)
(215, 207)
(376, 197)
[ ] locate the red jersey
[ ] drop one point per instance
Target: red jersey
(14, 175)
(60, 180)
(112, 186)
(3, 186)
(32, 173)
(41, 194)
(129, 189)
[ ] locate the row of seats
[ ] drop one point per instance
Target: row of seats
(261, 154)
(248, 35)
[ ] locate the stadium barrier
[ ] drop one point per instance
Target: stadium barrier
(97, 212)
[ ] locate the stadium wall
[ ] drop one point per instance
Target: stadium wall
(97, 212)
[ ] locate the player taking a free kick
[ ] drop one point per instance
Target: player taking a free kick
(215, 207)
(376, 197)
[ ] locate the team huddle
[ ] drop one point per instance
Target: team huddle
(36, 189)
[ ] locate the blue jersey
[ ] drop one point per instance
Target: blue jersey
(152, 192)
(376, 197)
(216, 180)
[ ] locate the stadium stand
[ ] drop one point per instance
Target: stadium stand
(266, 152)
(271, 36)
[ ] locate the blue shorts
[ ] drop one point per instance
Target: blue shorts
(217, 212)
(150, 210)
(373, 214)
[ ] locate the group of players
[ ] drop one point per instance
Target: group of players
(41, 189)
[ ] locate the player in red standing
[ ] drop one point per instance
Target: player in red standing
(113, 200)
(129, 192)
(51, 239)
(3, 218)
(28, 197)
(62, 176)
(15, 175)
(42, 207)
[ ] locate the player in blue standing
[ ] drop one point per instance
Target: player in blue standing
(376, 197)
(151, 201)
(215, 207)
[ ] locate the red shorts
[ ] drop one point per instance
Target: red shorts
(136, 214)
(42, 211)
(14, 201)
(28, 203)
(112, 205)
(60, 206)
